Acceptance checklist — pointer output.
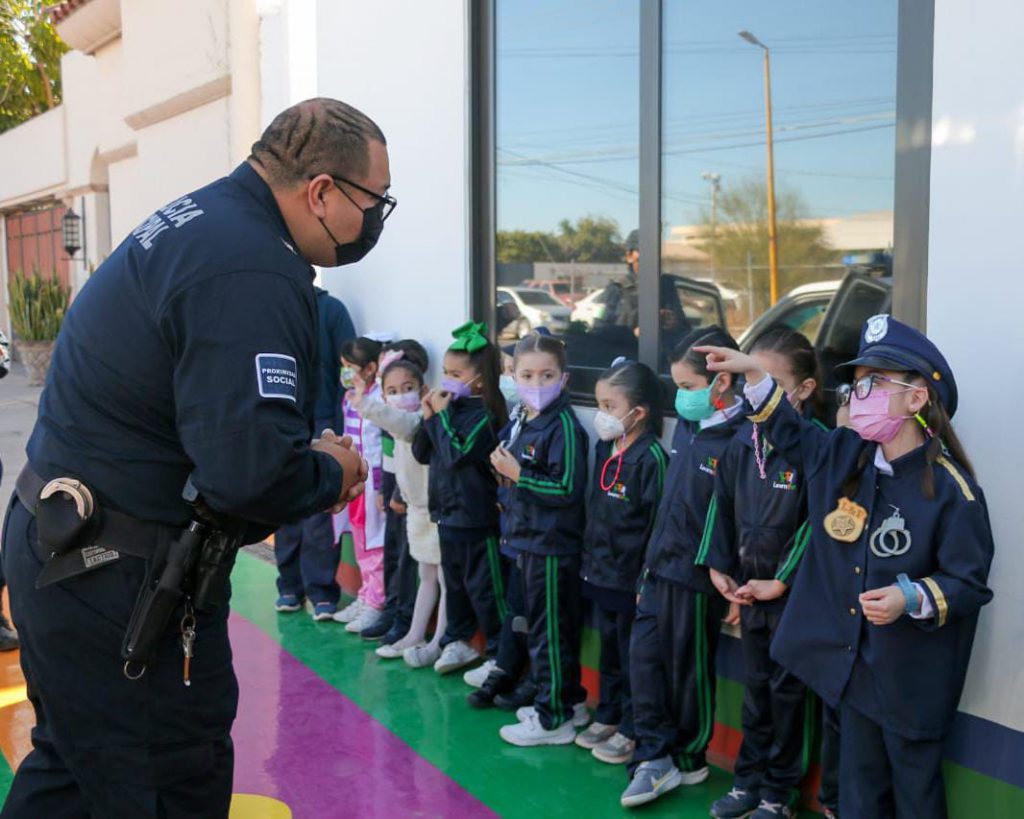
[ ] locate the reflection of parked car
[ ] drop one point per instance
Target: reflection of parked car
(801, 309)
(561, 290)
(510, 322)
(590, 309)
(538, 308)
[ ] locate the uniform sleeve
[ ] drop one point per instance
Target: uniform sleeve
(802, 442)
(244, 348)
(793, 554)
(561, 480)
(422, 444)
(466, 436)
(397, 422)
(718, 544)
(959, 585)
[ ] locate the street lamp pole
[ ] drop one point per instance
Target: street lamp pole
(773, 241)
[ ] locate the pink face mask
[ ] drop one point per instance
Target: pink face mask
(871, 419)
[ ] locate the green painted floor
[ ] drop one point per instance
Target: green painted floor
(429, 713)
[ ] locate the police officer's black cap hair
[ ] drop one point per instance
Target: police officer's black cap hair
(320, 135)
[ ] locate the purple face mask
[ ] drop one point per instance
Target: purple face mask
(458, 389)
(539, 398)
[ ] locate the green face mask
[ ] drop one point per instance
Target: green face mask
(695, 405)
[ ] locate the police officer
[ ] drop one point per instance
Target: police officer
(191, 352)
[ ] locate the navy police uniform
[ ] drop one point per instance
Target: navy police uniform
(760, 533)
(545, 522)
(307, 553)
(192, 350)
(679, 612)
(462, 495)
(896, 686)
(624, 500)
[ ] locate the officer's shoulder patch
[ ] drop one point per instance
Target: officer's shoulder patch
(277, 376)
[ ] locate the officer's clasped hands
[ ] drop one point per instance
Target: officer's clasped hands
(354, 468)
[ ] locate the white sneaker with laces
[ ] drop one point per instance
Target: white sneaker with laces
(455, 656)
(531, 733)
(617, 750)
(580, 714)
(350, 612)
(422, 655)
(368, 616)
(477, 676)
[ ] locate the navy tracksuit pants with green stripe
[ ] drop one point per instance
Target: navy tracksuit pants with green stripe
(672, 672)
(778, 714)
(554, 611)
(474, 587)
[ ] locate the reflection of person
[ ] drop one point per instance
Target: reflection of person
(190, 354)
(620, 304)
(895, 498)
(307, 553)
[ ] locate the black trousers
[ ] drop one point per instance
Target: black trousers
(778, 720)
(103, 745)
(672, 671)
(828, 793)
(885, 776)
(616, 701)
(401, 572)
(513, 653)
(474, 583)
(553, 606)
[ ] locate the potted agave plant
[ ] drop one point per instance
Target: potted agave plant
(37, 306)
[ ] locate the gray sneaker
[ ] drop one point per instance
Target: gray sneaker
(616, 750)
(651, 780)
(595, 735)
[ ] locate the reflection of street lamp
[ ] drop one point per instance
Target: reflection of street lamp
(773, 242)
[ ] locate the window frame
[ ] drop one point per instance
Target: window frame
(915, 46)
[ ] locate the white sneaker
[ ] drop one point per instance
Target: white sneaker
(530, 733)
(391, 652)
(422, 655)
(478, 675)
(694, 777)
(369, 616)
(350, 612)
(455, 656)
(580, 714)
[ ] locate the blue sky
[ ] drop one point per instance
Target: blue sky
(567, 105)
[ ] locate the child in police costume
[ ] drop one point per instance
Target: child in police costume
(624, 497)
(759, 537)
(882, 615)
(679, 612)
(460, 427)
(545, 463)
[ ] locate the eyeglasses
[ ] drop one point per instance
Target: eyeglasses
(862, 387)
(386, 203)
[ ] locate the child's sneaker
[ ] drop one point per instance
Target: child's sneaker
(616, 750)
(597, 733)
(288, 603)
(695, 777)
(651, 780)
(580, 714)
(497, 682)
(523, 695)
(530, 733)
(422, 655)
(368, 616)
(389, 652)
(381, 627)
(772, 810)
(736, 804)
(476, 677)
(455, 656)
(350, 612)
(830, 813)
(324, 611)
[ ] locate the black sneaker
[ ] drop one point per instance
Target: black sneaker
(524, 694)
(497, 682)
(395, 633)
(737, 804)
(8, 636)
(378, 629)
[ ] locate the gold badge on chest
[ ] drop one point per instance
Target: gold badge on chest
(846, 522)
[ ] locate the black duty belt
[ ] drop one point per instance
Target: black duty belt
(110, 535)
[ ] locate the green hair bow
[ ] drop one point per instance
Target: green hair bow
(470, 337)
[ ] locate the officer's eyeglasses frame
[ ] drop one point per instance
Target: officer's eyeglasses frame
(862, 387)
(387, 202)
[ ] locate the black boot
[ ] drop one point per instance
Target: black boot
(8, 636)
(525, 694)
(497, 682)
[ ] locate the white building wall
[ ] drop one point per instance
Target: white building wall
(975, 301)
(408, 70)
(22, 176)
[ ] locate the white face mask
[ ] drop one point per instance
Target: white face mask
(608, 427)
(408, 401)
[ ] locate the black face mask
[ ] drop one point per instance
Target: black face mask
(352, 252)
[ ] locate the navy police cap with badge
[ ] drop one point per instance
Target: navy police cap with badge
(887, 344)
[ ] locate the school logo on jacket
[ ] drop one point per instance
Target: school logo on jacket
(785, 480)
(618, 491)
(710, 465)
(529, 452)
